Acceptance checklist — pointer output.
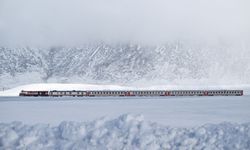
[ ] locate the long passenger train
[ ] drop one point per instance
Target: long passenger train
(104, 93)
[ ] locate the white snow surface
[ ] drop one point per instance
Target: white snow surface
(172, 111)
(124, 132)
(61, 86)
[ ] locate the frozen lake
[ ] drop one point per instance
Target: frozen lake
(171, 111)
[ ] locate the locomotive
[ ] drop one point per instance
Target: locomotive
(128, 93)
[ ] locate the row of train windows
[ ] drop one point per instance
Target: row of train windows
(68, 93)
(107, 92)
(225, 92)
(147, 92)
(187, 92)
(138, 92)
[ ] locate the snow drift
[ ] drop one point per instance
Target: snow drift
(125, 132)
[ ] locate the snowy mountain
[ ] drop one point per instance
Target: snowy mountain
(172, 63)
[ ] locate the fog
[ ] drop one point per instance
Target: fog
(73, 22)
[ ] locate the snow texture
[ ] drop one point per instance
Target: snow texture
(170, 111)
(126, 63)
(125, 132)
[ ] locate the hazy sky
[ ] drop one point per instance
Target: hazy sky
(59, 22)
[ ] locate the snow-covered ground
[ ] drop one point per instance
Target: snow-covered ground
(124, 132)
(172, 111)
(122, 122)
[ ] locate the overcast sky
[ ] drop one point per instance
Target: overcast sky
(59, 22)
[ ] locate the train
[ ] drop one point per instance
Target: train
(128, 93)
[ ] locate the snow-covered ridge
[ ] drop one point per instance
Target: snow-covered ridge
(126, 63)
(125, 132)
(60, 86)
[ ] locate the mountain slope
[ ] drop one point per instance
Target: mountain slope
(171, 63)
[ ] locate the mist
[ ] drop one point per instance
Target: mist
(73, 22)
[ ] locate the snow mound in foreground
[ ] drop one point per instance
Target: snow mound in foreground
(125, 132)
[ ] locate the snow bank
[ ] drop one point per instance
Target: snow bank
(125, 132)
(61, 86)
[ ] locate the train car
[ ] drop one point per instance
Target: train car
(225, 93)
(147, 93)
(106, 93)
(188, 93)
(73, 93)
(34, 93)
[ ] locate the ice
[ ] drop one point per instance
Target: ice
(124, 132)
